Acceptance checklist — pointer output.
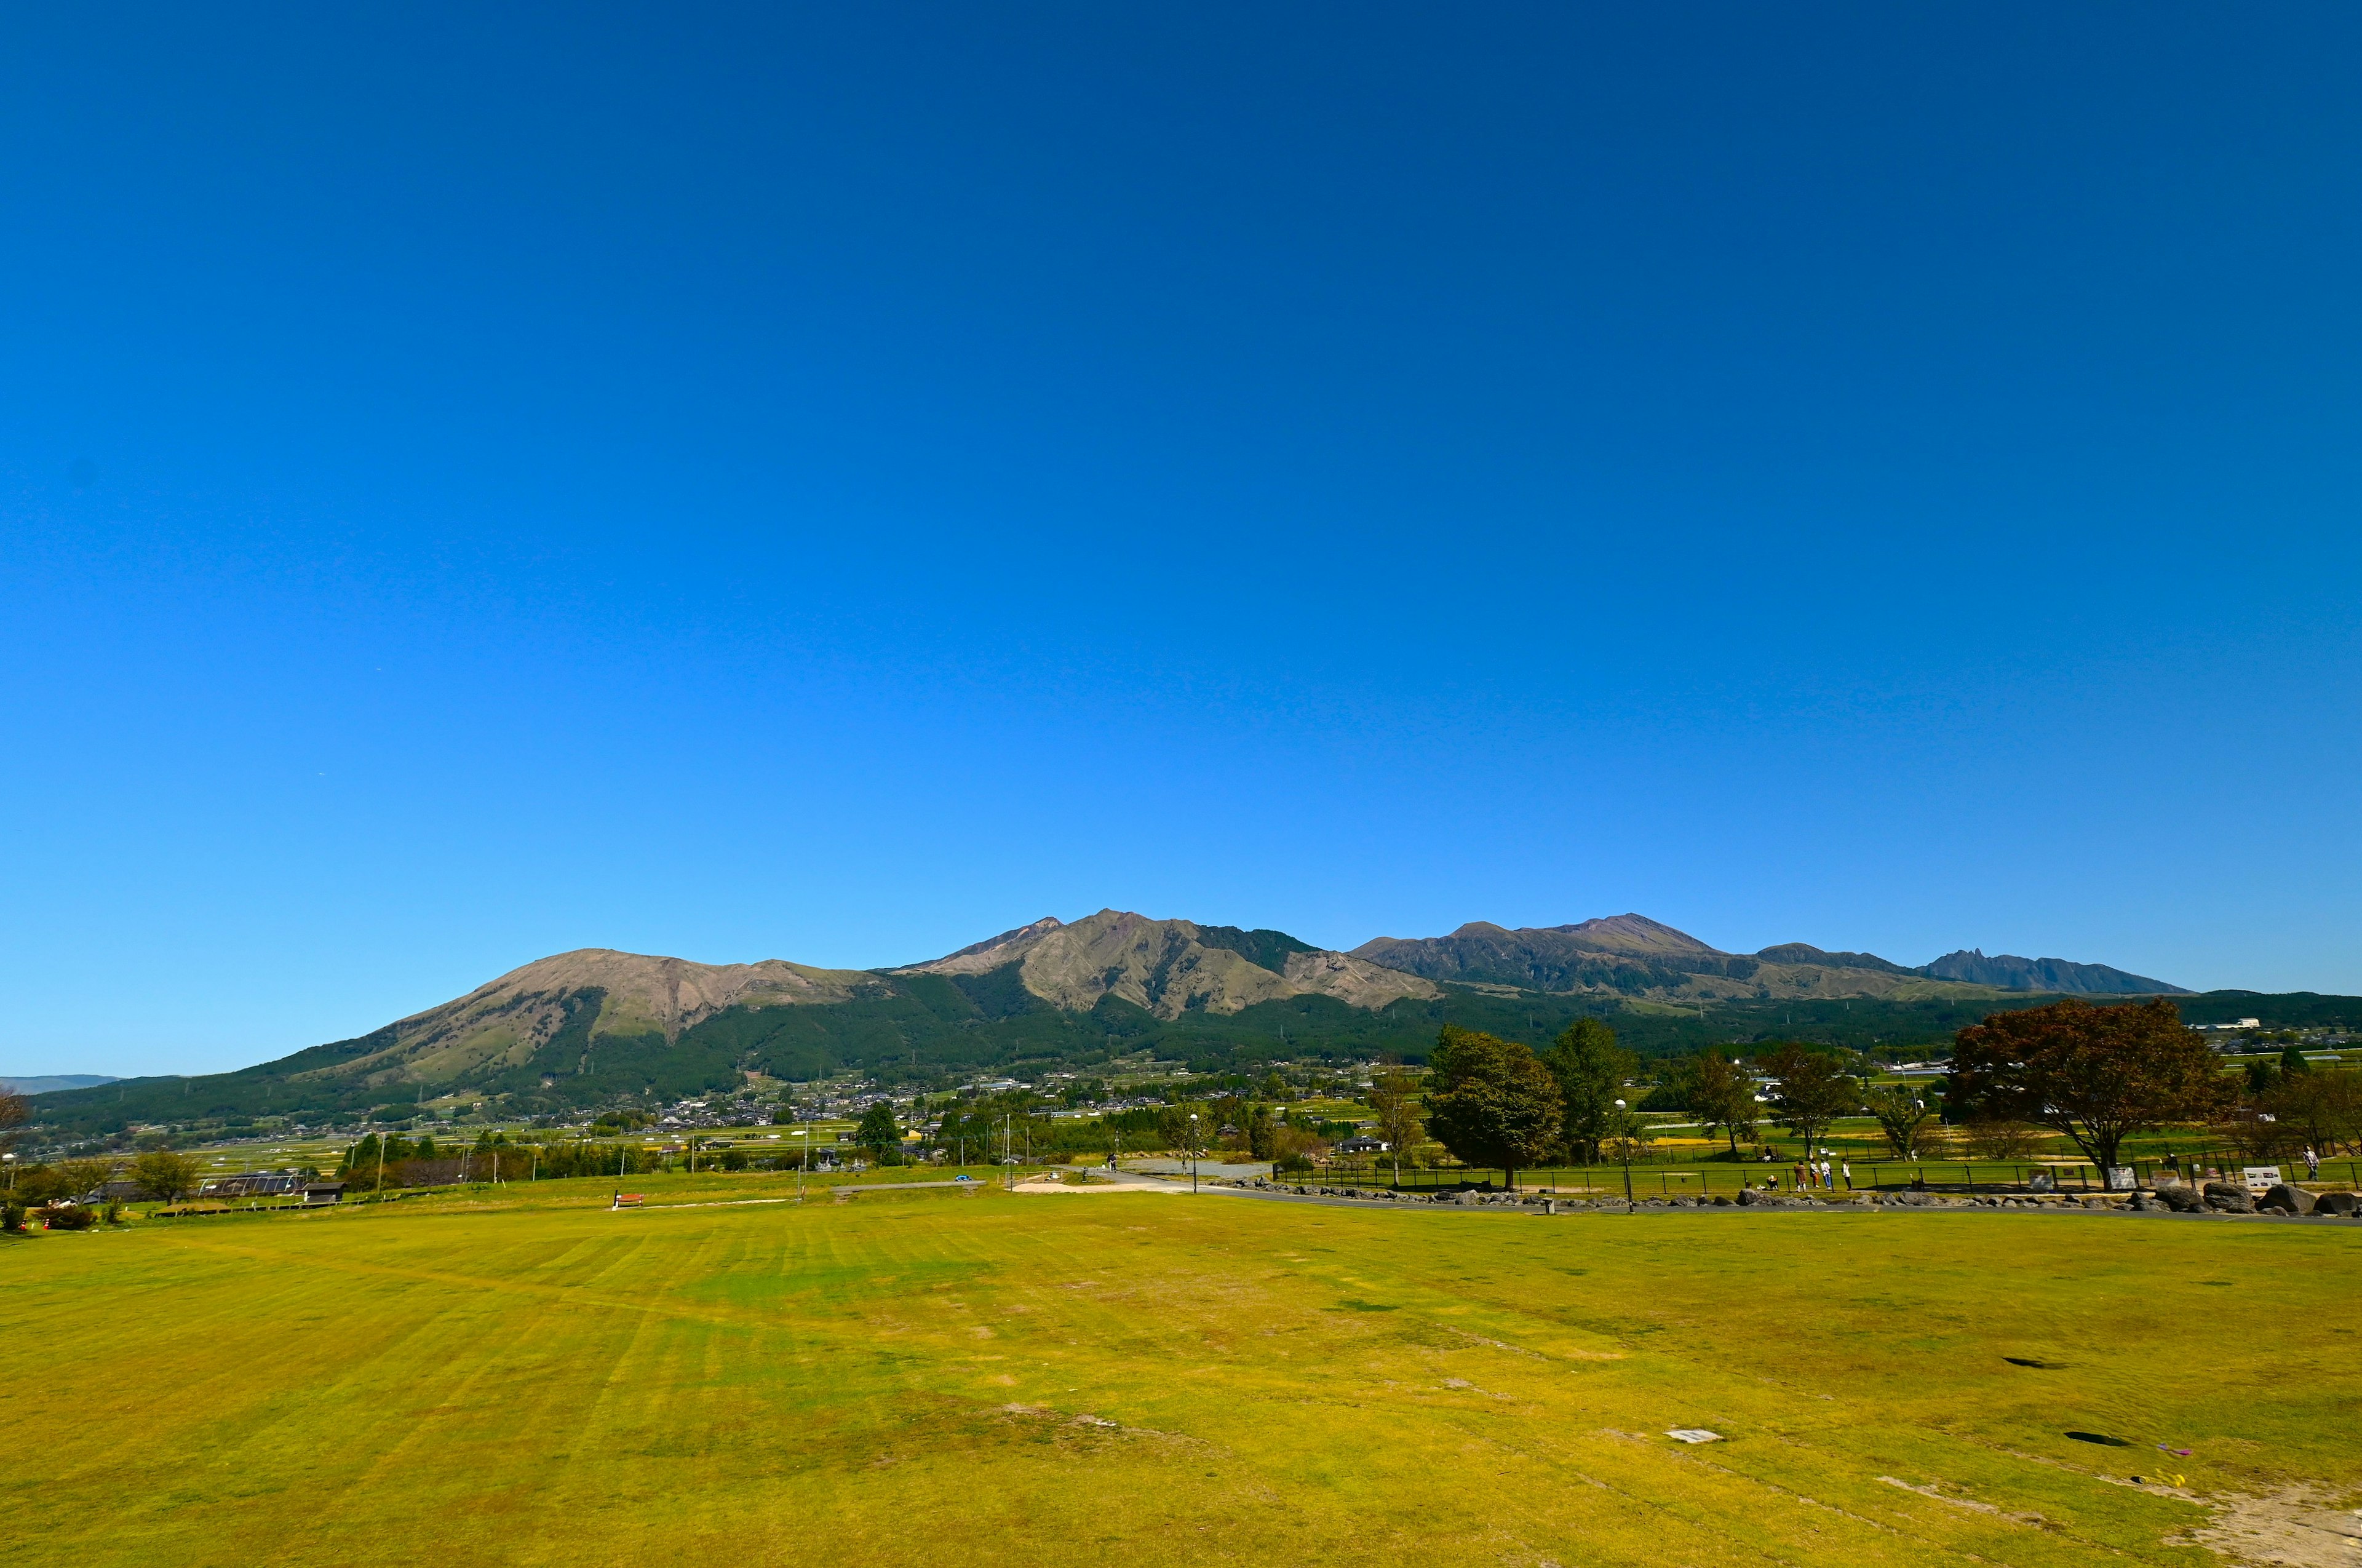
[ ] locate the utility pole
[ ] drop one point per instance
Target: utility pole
(1193, 1151)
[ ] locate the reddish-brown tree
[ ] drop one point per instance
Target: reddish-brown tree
(2096, 1074)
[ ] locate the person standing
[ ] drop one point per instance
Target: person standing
(2312, 1164)
(1846, 1168)
(1826, 1184)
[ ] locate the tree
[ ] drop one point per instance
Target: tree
(1391, 1102)
(1590, 1069)
(1901, 1114)
(878, 1131)
(1491, 1101)
(1999, 1138)
(164, 1174)
(2324, 1107)
(1263, 1134)
(1722, 1096)
(1814, 1092)
(87, 1175)
(2096, 1074)
(15, 1109)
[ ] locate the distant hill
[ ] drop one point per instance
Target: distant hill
(2011, 974)
(1634, 955)
(51, 1083)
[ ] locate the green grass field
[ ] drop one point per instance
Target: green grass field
(929, 1377)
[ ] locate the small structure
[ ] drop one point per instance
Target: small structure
(1363, 1143)
(250, 1184)
(314, 1193)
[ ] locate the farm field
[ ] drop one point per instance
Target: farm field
(927, 1375)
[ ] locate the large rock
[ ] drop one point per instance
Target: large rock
(2180, 1197)
(2285, 1199)
(2228, 1198)
(2337, 1203)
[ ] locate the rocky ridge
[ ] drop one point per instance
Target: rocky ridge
(1634, 956)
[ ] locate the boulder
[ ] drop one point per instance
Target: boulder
(2227, 1198)
(2337, 1203)
(2180, 1197)
(2285, 1199)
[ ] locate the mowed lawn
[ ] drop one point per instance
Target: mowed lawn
(1126, 1379)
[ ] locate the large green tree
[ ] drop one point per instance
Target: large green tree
(878, 1131)
(1814, 1092)
(1590, 1069)
(1491, 1101)
(2096, 1074)
(165, 1175)
(1901, 1113)
(1722, 1097)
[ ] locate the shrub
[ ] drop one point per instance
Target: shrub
(12, 1218)
(69, 1217)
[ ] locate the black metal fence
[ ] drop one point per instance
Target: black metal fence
(1657, 1180)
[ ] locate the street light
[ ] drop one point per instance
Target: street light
(1624, 1144)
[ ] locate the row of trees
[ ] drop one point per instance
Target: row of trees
(2094, 1074)
(1496, 1103)
(161, 1174)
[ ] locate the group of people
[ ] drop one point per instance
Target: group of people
(1811, 1174)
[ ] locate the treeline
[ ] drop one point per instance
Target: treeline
(395, 1160)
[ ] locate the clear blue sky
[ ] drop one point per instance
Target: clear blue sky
(836, 482)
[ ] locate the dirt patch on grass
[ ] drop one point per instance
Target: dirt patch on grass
(2298, 1527)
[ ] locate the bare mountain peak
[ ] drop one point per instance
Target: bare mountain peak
(1042, 927)
(1171, 966)
(1635, 932)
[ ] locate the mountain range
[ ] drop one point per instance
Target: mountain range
(1631, 953)
(51, 1083)
(595, 1026)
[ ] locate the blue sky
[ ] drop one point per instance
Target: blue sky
(799, 483)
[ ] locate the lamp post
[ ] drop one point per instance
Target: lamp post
(1193, 1151)
(1624, 1144)
(10, 1160)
